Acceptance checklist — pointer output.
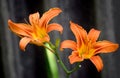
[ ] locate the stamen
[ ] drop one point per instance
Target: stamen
(26, 21)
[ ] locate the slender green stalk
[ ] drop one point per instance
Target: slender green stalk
(75, 68)
(53, 49)
(61, 63)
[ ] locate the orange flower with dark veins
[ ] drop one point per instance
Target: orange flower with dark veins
(86, 46)
(37, 31)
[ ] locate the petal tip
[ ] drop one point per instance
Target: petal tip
(97, 61)
(9, 22)
(23, 43)
(56, 8)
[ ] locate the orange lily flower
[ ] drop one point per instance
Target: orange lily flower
(86, 46)
(37, 31)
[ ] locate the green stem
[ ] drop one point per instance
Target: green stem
(49, 49)
(63, 66)
(75, 68)
(61, 63)
(54, 50)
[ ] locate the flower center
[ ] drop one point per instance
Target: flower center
(86, 50)
(39, 33)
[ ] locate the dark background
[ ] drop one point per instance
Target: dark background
(100, 14)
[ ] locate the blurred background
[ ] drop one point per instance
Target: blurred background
(103, 15)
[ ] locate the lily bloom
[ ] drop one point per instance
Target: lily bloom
(86, 46)
(36, 32)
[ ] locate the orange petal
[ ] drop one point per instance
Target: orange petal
(79, 33)
(68, 44)
(97, 61)
(74, 57)
(23, 42)
(105, 47)
(34, 19)
(47, 16)
(54, 26)
(20, 29)
(93, 35)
